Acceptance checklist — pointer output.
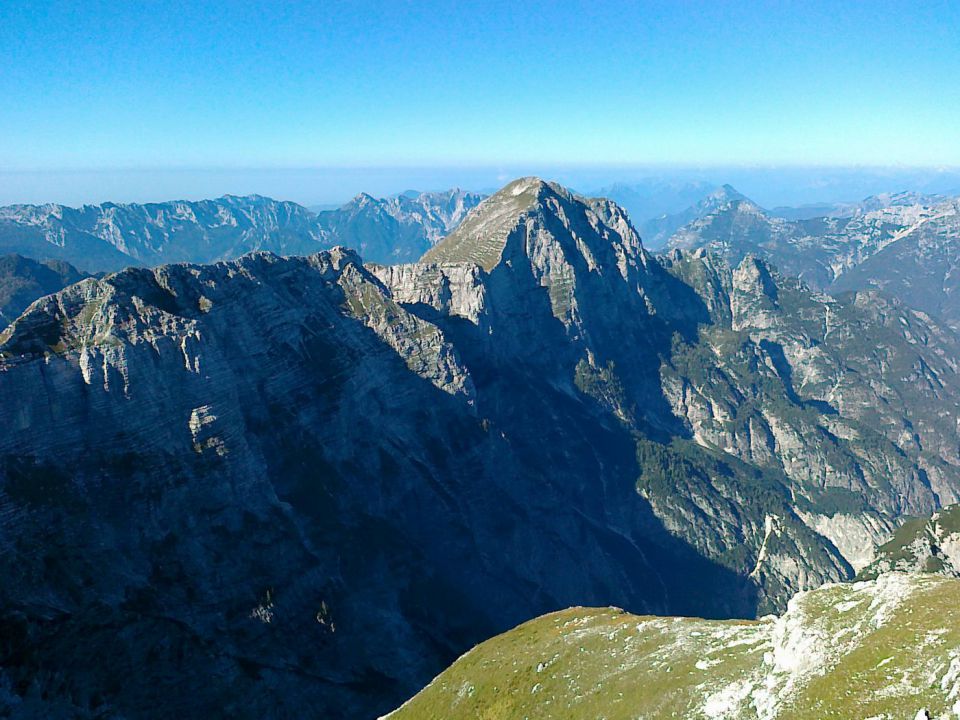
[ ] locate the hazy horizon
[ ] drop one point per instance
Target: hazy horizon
(315, 102)
(769, 186)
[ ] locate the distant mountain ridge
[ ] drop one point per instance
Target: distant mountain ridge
(849, 209)
(400, 228)
(111, 236)
(906, 244)
(648, 201)
(657, 231)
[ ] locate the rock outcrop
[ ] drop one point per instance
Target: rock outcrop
(921, 545)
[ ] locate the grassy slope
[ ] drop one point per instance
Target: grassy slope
(879, 649)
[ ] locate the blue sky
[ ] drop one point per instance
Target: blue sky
(247, 89)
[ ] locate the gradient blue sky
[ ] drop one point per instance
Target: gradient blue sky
(256, 87)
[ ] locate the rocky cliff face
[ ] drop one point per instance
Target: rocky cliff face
(265, 486)
(780, 378)
(304, 482)
(880, 649)
(207, 495)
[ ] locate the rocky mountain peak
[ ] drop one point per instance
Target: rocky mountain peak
(554, 278)
(527, 186)
(726, 193)
(481, 237)
(728, 223)
(363, 199)
(729, 199)
(724, 200)
(536, 209)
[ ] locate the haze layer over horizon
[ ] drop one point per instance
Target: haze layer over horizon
(518, 88)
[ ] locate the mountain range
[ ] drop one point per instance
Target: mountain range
(648, 200)
(400, 228)
(276, 484)
(109, 237)
(907, 245)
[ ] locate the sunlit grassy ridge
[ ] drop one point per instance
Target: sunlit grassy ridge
(888, 648)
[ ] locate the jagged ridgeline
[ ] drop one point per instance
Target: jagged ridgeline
(112, 236)
(906, 244)
(278, 484)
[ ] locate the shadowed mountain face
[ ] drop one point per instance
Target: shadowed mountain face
(273, 486)
(907, 245)
(265, 486)
(110, 236)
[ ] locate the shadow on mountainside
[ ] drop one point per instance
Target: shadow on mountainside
(305, 523)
